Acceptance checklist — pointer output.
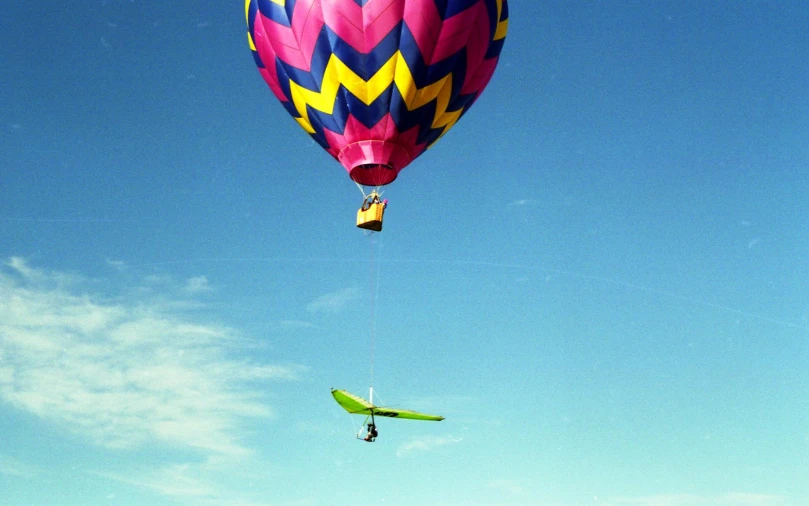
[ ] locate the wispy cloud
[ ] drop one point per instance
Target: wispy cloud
(196, 483)
(118, 265)
(173, 480)
(125, 374)
(730, 499)
(297, 325)
(334, 302)
(10, 466)
(512, 487)
(197, 284)
(424, 444)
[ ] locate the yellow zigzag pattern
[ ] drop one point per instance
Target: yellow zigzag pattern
(395, 70)
(502, 26)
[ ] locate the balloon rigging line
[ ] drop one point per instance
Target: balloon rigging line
(359, 187)
(374, 288)
(375, 279)
(377, 189)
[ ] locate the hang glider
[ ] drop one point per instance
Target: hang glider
(358, 406)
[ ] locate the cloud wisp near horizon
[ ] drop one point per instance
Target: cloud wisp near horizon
(129, 370)
(334, 302)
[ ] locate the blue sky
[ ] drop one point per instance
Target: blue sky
(598, 277)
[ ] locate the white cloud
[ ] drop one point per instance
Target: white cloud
(21, 266)
(334, 302)
(424, 444)
(125, 374)
(197, 284)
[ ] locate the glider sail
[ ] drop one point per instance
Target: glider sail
(358, 406)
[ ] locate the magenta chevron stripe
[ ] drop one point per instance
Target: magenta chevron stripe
(477, 44)
(455, 31)
(363, 27)
(296, 43)
(268, 56)
(421, 17)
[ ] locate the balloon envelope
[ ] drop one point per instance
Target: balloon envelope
(376, 82)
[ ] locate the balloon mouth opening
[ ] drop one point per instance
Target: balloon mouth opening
(374, 162)
(373, 174)
(374, 166)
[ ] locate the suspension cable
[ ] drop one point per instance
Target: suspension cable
(374, 279)
(374, 288)
(378, 190)
(359, 186)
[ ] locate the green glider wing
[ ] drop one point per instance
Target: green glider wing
(358, 406)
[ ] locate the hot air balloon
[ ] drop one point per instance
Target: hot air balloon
(376, 82)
